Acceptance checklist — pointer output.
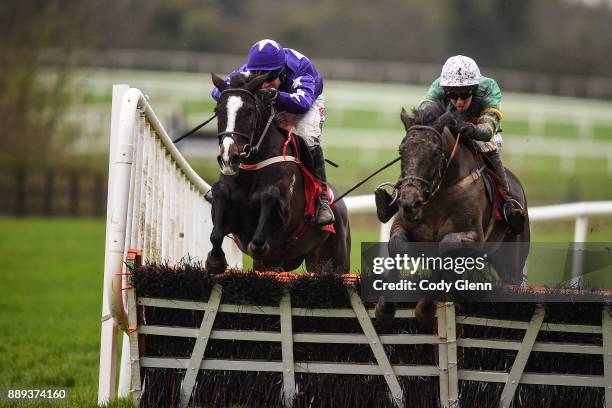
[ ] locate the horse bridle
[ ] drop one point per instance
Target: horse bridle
(248, 148)
(432, 186)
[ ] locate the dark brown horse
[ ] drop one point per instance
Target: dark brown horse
(259, 197)
(441, 198)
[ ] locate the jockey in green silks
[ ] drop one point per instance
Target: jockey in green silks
(477, 100)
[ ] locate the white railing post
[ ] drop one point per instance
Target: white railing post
(580, 237)
(166, 219)
(385, 230)
(108, 335)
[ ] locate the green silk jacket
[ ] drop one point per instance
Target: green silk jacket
(484, 111)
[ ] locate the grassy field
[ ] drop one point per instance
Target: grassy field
(50, 306)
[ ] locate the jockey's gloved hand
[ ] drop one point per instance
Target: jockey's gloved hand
(268, 94)
(468, 130)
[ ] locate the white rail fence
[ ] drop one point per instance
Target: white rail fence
(155, 203)
(372, 142)
(448, 340)
(579, 212)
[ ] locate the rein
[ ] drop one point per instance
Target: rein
(195, 129)
(248, 148)
(433, 185)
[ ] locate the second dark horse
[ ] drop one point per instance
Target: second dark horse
(441, 196)
(260, 197)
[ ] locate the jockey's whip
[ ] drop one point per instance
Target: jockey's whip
(367, 178)
(195, 129)
(331, 163)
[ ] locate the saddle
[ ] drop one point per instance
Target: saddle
(493, 184)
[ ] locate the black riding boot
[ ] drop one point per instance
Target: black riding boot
(512, 210)
(325, 215)
(385, 207)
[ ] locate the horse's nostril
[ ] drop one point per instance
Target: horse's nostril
(417, 204)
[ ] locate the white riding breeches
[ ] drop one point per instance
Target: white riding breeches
(494, 144)
(309, 125)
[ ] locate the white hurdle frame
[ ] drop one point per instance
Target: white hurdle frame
(446, 339)
(155, 203)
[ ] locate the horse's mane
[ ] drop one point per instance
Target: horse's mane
(429, 115)
(238, 80)
(438, 116)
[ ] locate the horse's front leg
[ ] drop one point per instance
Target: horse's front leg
(398, 244)
(461, 242)
(269, 200)
(459, 246)
(215, 261)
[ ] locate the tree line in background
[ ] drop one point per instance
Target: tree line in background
(556, 36)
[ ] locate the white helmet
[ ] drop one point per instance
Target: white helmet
(460, 71)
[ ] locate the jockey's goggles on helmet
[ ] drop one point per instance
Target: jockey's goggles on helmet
(455, 94)
(272, 75)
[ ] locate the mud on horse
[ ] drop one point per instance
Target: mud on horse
(260, 198)
(442, 198)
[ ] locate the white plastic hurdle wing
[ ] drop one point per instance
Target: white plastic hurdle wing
(155, 204)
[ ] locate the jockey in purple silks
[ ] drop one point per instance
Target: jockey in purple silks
(296, 87)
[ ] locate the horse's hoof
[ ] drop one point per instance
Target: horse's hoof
(384, 311)
(258, 251)
(215, 265)
(386, 207)
(425, 311)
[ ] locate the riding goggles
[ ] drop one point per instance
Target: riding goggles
(272, 75)
(464, 95)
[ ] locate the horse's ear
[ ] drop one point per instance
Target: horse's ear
(255, 83)
(406, 119)
(218, 82)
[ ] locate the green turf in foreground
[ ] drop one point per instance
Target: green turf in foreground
(50, 305)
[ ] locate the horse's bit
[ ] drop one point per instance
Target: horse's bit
(248, 148)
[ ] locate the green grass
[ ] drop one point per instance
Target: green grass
(206, 105)
(50, 305)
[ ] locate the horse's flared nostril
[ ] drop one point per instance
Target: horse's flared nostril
(418, 204)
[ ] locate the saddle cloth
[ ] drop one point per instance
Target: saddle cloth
(312, 191)
(495, 192)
